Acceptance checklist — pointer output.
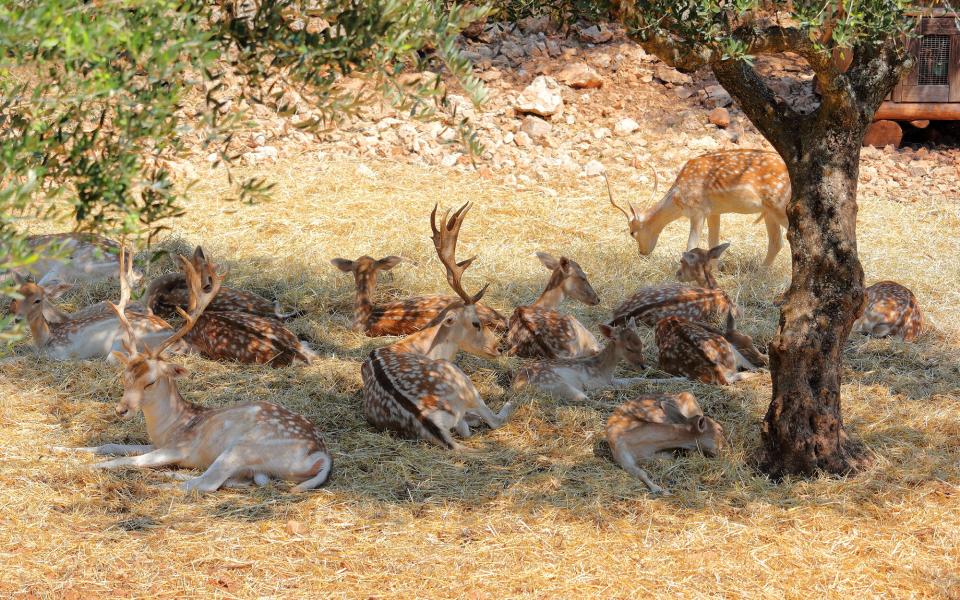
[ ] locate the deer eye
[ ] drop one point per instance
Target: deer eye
(38, 301)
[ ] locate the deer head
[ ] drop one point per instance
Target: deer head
(696, 265)
(570, 278)
(365, 269)
(460, 323)
(645, 236)
(627, 340)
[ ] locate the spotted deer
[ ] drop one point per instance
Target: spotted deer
(539, 330)
(651, 304)
(402, 317)
(731, 181)
(890, 309)
(652, 425)
(697, 266)
(412, 387)
(70, 258)
(90, 333)
(705, 354)
(234, 335)
(572, 378)
(252, 441)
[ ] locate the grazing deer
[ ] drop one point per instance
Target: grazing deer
(572, 378)
(402, 317)
(90, 333)
(235, 335)
(650, 425)
(257, 440)
(732, 181)
(651, 304)
(539, 330)
(890, 309)
(89, 258)
(411, 386)
(702, 353)
(697, 266)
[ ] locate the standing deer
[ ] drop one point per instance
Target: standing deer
(90, 333)
(651, 425)
(402, 317)
(88, 258)
(572, 378)
(411, 386)
(702, 353)
(539, 330)
(890, 309)
(234, 444)
(732, 181)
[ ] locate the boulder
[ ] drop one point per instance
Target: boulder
(720, 117)
(542, 97)
(535, 127)
(595, 34)
(626, 126)
(580, 75)
(670, 75)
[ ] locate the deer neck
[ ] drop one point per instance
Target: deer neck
(40, 329)
(553, 294)
(709, 281)
(662, 214)
(603, 364)
(434, 342)
(165, 411)
(362, 305)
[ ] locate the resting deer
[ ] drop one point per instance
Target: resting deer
(572, 378)
(697, 266)
(890, 309)
(87, 258)
(651, 425)
(403, 316)
(651, 304)
(91, 333)
(539, 330)
(732, 181)
(411, 386)
(702, 353)
(257, 440)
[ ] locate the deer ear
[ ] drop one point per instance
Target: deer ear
(548, 261)
(388, 263)
(175, 370)
(716, 251)
(699, 423)
(632, 324)
(56, 290)
(606, 331)
(731, 322)
(343, 264)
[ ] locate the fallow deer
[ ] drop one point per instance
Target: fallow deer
(76, 258)
(91, 333)
(651, 425)
(732, 181)
(890, 309)
(411, 386)
(251, 441)
(697, 266)
(539, 330)
(402, 317)
(705, 354)
(572, 378)
(651, 304)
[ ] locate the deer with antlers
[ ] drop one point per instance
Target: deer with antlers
(70, 258)
(253, 441)
(412, 386)
(706, 354)
(732, 181)
(653, 425)
(402, 317)
(539, 330)
(890, 309)
(90, 333)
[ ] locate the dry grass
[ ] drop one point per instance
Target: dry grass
(536, 513)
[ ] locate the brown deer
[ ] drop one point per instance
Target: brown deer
(890, 309)
(731, 181)
(235, 335)
(411, 386)
(651, 304)
(702, 353)
(572, 378)
(90, 333)
(651, 425)
(538, 330)
(402, 317)
(252, 441)
(697, 266)
(70, 258)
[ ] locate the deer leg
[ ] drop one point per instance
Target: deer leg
(219, 472)
(774, 239)
(494, 420)
(156, 458)
(629, 463)
(696, 226)
(108, 449)
(463, 428)
(713, 230)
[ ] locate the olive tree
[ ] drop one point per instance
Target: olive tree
(857, 52)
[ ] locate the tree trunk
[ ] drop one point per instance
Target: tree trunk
(803, 430)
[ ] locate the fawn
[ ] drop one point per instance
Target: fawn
(890, 309)
(703, 353)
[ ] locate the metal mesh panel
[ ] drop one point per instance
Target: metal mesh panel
(934, 60)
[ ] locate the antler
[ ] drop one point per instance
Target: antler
(610, 194)
(129, 337)
(199, 298)
(445, 241)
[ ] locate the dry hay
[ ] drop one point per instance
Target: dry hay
(538, 512)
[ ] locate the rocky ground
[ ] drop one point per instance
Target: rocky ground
(575, 104)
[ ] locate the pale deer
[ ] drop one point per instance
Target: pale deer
(234, 444)
(411, 386)
(572, 378)
(76, 258)
(652, 425)
(705, 354)
(90, 333)
(401, 317)
(539, 330)
(697, 266)
(890, 309)
(651, 304)
(731, 181)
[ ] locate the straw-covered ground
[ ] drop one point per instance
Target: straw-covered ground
(539, 511)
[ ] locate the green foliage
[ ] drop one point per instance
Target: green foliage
(561, 11)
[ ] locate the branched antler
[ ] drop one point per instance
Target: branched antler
(126, 271)
(200, 297)
(445, 241)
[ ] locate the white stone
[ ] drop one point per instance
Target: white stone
(535, 127)
(626, 126)
(365, 171)
(542, 97)
(593, 168)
